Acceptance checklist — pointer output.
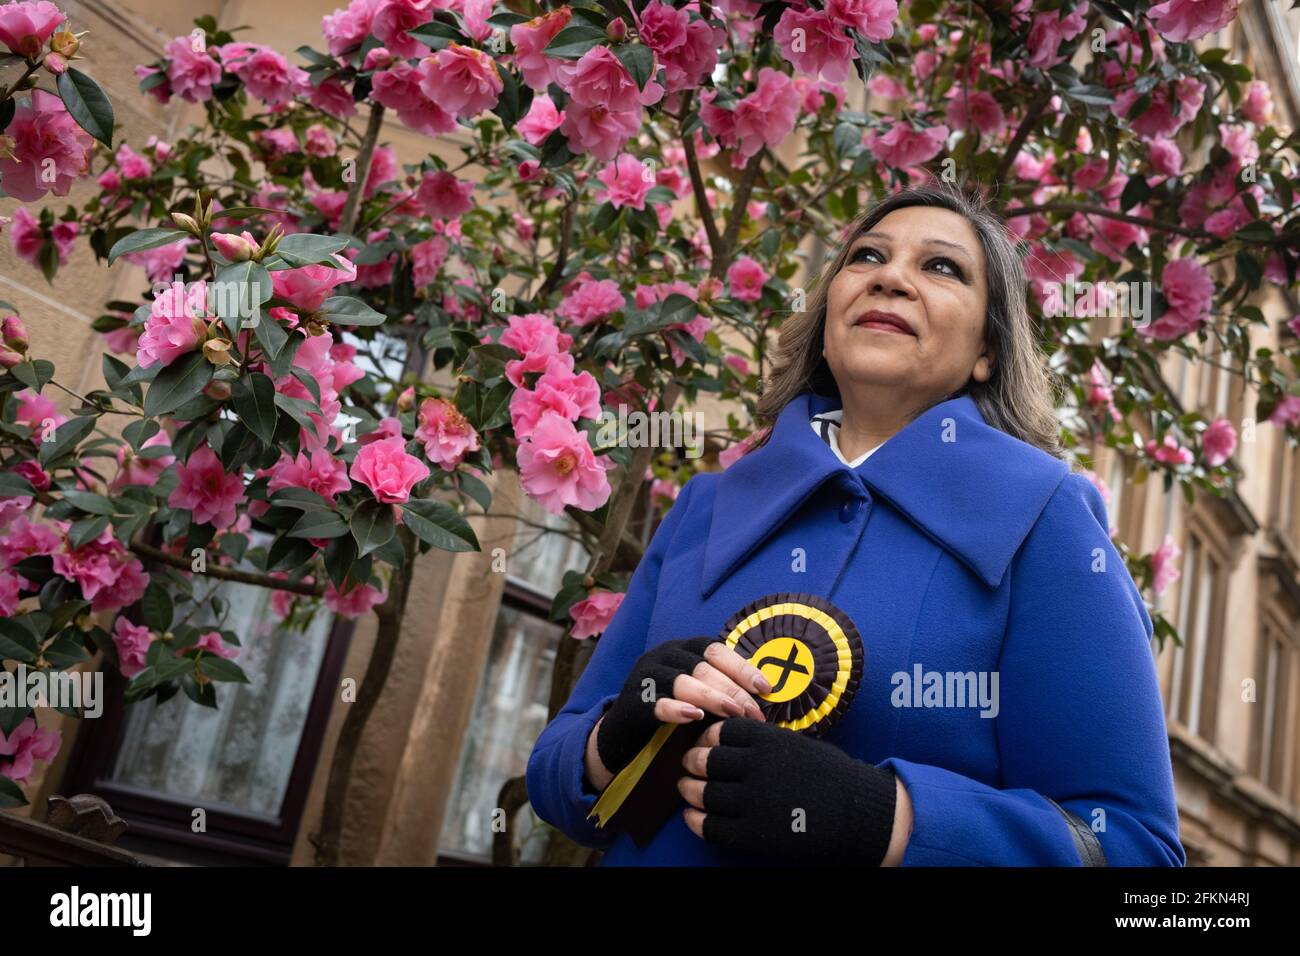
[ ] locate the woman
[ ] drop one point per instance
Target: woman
(912, 478)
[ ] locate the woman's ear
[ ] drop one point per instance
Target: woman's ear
(983, 366)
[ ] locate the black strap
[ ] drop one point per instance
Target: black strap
(1085, 841)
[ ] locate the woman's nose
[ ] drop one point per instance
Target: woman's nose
(890, 279)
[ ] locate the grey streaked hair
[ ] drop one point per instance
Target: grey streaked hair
(1017, 398)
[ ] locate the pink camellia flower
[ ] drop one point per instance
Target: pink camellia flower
(976, 108)
(1219, 442)
(530, 39)
(37, 412)
(593, 613)
(307, 287)
(591, 302)
(626, 183)
(28, 743)
(135, 469)
(131, 164)
(388, 471)
(541, 120)
(174, 327)
(332, 97)
(746, 278)
(36, 476)
(267, 75)
(1164, 565)
(599, 79)
(597, 130)
(1168, 452)
(279, 142)
(874, 19)
(132, 642)
(444, 196)
(25, 539)
(321, 473)
(1188, 289)
(28, 238)
(345, 29)
(41, 130)
(816, 45)
(191, 73)
(535, 337)
(902, 146)
(1166, 158)
(1257, 104)
(447, 434)
(557, 467)
(767, 115)
(388, 428)
(320, 141)
(206, 490)
(1050, 30)
(461, 80)
(557, 391)
(392, 20)
(1183, 20)
(212, 643)
(25, 27)
(356, 602)
(427, 258)
(1286, 412)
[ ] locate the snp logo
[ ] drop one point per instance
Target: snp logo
(102, 909)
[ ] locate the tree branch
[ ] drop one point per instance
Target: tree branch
(1106, 213)
(348, 220)
(227, 574)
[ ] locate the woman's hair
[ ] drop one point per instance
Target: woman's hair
(1017, 396)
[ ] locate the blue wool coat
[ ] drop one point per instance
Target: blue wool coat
(954, 548)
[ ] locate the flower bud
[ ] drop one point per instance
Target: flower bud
(14, 333)
(233, 247)
(217, 390)
(616, 29)
(9, 358)
(406, 400)
(187, 223)
(65, 43)
(56, 63)
(217, 351)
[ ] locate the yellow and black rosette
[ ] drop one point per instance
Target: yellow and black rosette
(809, 651)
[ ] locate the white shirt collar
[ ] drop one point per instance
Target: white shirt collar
(832, 436)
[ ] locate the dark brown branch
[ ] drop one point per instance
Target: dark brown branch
(227, 574)
(1106, 213)
(348, 220)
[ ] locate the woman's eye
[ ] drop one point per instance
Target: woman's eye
(862, 252)
(956, 269)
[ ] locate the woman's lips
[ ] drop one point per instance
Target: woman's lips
(884, 322)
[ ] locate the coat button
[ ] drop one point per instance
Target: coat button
(849, 510)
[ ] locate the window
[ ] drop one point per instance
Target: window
(513, 699)
(1193, 687)
(1275, 702)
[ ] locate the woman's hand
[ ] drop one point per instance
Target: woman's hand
(762, 789)
(672, 683)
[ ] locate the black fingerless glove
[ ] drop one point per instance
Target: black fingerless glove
(760, 775)
(630, 722)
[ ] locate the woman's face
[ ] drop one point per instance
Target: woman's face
(925, 268)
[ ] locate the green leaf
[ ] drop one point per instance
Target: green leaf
(14, 486)
(11, 795)
(240, 212)
(89, 502)
(238, 291)
(66, 437)
(254, 399)
(87, 104)
(17, 643)
(439, 525)
(319, 524)
(86, 530)
(638, 59)
(298, 409)
(34, 374)
(346, 310)
(306, 249)
(272, 335)
(157, 607)
(575, 40)
(219, 668)
(373, 525)
(177, 384)
(143, 239)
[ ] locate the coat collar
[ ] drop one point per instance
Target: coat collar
(972, 488)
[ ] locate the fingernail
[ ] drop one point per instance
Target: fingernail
(761, 685)
(755, 711)
(695, 713)
(734, 707)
